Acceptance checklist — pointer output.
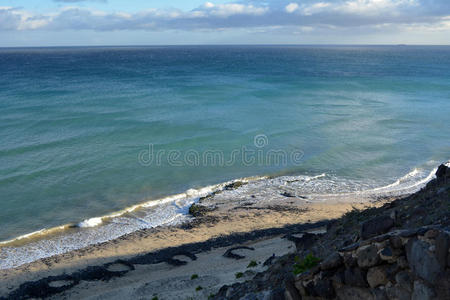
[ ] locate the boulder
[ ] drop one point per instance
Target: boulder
(349, 247)
(331, 262)
(442, 244)
(422, 291)
(276, 294)
(338, 279)
(403, 279)
(398, 293)
(291, 293)
(300, 288)
(350, 261)
(387, 254)
(422, 262)
(402, 262)
(431, 234)
(323, 288)
(379, 294)
(367, 256)
(442, 286)
(377, 276)
(396, 242)
(376, 226)
(197, 210)
(442, 171)
(354, 293)
(355, 277)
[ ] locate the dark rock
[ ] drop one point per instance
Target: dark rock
(277, 294)
(355, 277)
(287, 194)
(376, 226)
(230, 254)
(394, 216)
(331, 262)
(402, 262)
(422, 291)
(391, 270)
(403, 279)
(442, 286)
(379, 294)
(354, 293)
(396, 242)
(234, 185)
(379, 238)
(304, 242)
(367, 256)
(422, 263)
(309, 287)
(422, 230)
(431, 234)
(442, 244)
(398, 293)
(250, 296)
(350, 261)
(349, 248)
(448, 260)
(323, 288)
(338, 279)
(269, 261)
(408, 232)
(442, 171)
(420, 211)
(300, 288)
(197, 210)
(377, 276)
(387, 254)
(291, 292)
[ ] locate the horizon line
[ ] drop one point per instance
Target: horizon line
(231, 44)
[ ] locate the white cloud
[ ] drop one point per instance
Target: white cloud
(315, 8)
(305, 17)
(291, 7)
(226, 10)
(374, 6)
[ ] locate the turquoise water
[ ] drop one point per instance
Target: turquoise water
(76, 124)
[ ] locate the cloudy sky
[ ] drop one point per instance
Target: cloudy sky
(153, 22)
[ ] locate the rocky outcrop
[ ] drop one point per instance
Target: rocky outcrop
(383, 277)
(399, 251)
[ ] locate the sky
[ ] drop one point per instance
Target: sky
(175, 22)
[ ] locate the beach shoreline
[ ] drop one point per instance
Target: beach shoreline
(240, 213)
(260, 195)
(213, 229)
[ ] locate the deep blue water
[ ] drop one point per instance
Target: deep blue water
(75, 123)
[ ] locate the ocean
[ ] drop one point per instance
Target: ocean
(97, 142)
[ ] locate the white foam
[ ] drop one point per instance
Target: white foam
(92, 222)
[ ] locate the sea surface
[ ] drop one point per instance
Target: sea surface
(109, 140)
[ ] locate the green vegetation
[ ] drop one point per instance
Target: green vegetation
(194, 276)
(239, 275)
(252, 264)
(211, 296)
(304, 265)
(155, 298)
(199, 288)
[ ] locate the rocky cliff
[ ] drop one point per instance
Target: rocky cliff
(398, 251)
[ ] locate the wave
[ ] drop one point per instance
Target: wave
(173, 210)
